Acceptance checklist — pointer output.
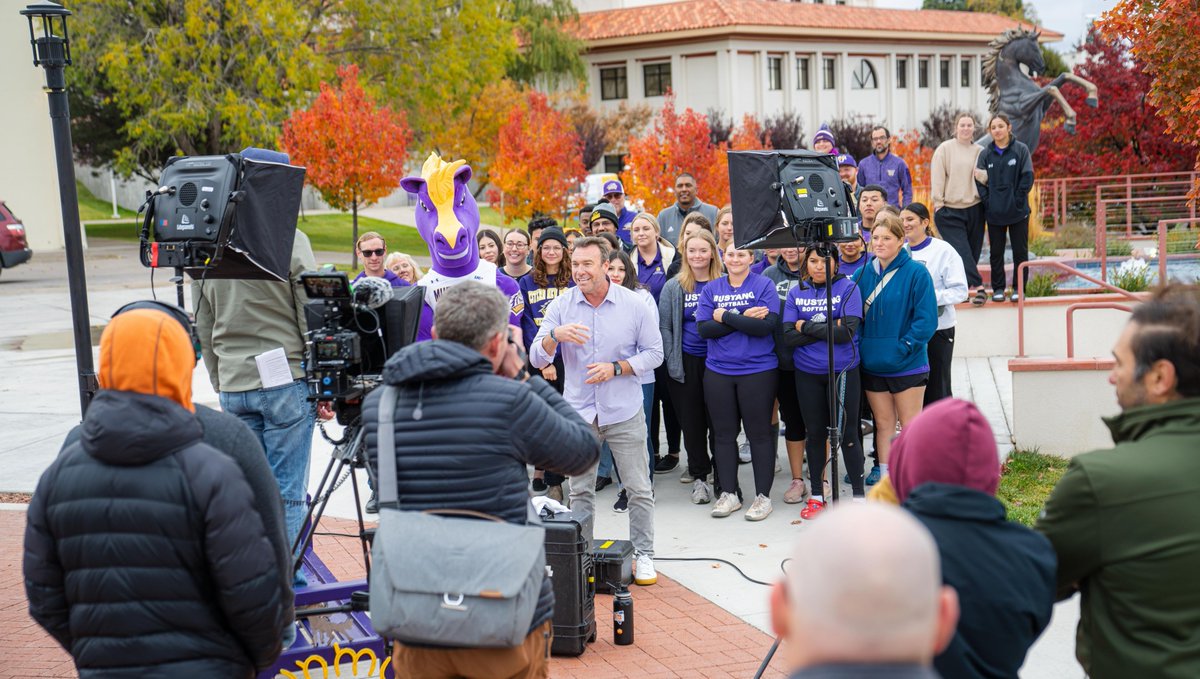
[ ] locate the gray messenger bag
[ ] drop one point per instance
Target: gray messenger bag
(451, 578)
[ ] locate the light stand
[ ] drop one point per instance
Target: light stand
(52, 51)
(834, 431)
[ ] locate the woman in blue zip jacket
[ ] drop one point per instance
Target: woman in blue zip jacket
(899, 319)
(1004, 176)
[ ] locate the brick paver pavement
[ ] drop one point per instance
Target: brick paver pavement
(678, 633)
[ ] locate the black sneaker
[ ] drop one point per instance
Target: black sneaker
(622, 504)
(373, 504)
(602, 482)
(539, 485)
(666, 463)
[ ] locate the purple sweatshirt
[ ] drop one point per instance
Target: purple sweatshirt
(806, 302)
(891, 173)
(738, 353)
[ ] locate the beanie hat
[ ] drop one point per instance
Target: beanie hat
(552, 233)
(949, 442)
(823, 133)
(604, 211)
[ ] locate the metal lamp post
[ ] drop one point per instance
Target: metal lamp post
(52, 51)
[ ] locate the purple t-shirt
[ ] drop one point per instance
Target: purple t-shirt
(807, 303)
(762, 264)
(848, 268)
(738, 353)
(693, 343)
(651, 274)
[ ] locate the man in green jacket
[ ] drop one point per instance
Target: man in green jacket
(1125, 522)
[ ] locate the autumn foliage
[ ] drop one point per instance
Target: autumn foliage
(538, 161)
(1125, 135)
(907, 145)
(354, 150)
(1165, 39)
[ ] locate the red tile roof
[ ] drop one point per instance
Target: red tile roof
(691, 15)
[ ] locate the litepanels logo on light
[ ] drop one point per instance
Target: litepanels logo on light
(304, 668)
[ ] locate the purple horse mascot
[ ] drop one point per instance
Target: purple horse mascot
(448, 220)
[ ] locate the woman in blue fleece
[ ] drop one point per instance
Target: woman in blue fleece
(899, 318)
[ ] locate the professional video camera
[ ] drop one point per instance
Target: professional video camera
(352, 332)
(782, 199)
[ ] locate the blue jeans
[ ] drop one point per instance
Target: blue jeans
(282, 418)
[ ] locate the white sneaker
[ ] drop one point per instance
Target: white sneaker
(726, 505)
(686, 477)
(760, 509)
(778, 465)
(701, 492)
(744, 452)
(643, 570)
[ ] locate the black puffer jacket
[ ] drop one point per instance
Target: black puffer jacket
(476, 434)
(143, 553)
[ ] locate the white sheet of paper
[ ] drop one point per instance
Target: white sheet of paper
(273, 368)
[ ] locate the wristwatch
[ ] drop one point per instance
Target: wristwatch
(617, 369)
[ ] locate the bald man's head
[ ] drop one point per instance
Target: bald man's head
(865, 586)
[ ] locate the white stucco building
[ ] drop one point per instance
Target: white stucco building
(820, 60)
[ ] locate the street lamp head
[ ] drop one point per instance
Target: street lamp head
(51, 49)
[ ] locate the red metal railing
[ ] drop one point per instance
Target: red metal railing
(1086, 305)
(1161, 230)
(1020, 277)
(1063, 195)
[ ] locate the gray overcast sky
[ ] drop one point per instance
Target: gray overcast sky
(1069, 17)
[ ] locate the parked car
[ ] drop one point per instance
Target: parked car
(13, 248)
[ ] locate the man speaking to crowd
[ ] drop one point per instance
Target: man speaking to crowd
(609, 338)
(468, 420)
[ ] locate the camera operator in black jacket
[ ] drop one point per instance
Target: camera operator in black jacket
(468, 422)
(144, 554)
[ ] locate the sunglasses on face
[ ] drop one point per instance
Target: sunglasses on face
(377, 252)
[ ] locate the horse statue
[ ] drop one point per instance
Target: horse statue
(1017, 95)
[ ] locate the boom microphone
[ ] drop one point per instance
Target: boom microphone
(372, 292)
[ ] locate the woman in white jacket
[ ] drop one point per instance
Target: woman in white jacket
(950, 287)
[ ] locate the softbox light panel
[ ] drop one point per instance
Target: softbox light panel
(766, 186)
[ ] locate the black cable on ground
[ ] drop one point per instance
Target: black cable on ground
(775, 646)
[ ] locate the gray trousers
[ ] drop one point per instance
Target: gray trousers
(627, 440)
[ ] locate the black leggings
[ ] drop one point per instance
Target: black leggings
(687, 397)
(553, 478)
(745, 400)
(941, 355)
(812, 390)
(662, 404)
(789, 406)
(1018, 237)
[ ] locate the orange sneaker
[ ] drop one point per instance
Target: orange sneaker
(811, 509)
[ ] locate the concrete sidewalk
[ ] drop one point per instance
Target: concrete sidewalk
(39, 404)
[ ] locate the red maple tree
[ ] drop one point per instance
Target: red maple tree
(539, 160)
(353, 150)
(1165, 39)
(1125, 135)
(676, 142)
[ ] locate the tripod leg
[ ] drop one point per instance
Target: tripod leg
(320, 501)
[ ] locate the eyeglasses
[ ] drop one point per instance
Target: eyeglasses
(377, 252)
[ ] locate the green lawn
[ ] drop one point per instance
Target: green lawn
(490, 215)
(330, 232)
(92, 208)
(1026, 482)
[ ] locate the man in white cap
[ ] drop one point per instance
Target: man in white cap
(614, 192)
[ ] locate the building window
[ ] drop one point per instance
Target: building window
(828, 81)
(965, 72)
(613, 163)
(944, 73)
(802, 65)
(612, 83)
(864, 76)
(901, 74)
(922, 73)
(775, 73)
(657, 78)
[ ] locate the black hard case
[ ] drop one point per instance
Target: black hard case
(570, 561)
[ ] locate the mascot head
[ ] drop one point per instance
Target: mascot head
(447, 215)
